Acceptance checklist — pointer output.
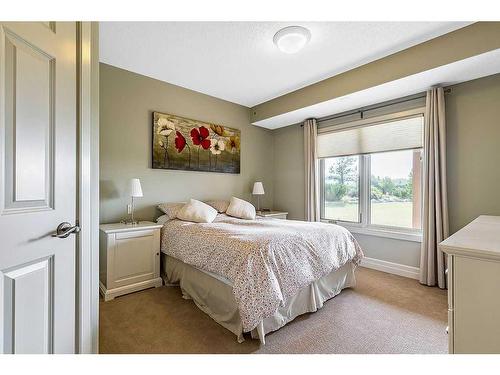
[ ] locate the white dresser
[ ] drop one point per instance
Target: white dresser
(474, 287)
(129, 258)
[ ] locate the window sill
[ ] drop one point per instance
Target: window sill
(381, 232)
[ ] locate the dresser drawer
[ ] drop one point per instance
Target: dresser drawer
(281, 216)
(136, 234)
(273, 215)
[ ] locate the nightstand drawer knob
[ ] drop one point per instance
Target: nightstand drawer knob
(157, 254)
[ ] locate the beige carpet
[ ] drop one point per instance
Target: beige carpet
(383, 314)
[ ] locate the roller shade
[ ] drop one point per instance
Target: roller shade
(395, 135)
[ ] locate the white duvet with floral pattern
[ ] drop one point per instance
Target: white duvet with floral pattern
(266, 260)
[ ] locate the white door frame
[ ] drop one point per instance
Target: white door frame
(87, 265)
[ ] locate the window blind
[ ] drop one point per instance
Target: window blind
(400, 134)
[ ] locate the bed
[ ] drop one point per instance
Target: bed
(257, 275)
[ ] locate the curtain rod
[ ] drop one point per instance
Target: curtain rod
(373, 107)
(367, 108)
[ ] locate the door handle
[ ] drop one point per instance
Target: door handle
(65, 229)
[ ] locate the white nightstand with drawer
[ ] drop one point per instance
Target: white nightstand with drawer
(273, 214)
(129, 258)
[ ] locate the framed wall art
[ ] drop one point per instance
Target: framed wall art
(192, 145)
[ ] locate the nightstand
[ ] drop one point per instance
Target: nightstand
(129, 258)
(273, 214)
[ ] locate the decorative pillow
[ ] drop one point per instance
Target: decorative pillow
(171, 209)
(197, 212)
(219, 205)
(241, 209)
(162, 219)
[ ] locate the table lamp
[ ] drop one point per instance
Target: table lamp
(258, 190)
(135, 190)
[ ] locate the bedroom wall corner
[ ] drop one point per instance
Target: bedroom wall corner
(127, 101)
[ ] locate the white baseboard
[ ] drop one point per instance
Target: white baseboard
(389, 267)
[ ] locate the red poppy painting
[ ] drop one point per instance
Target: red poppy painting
(182, 143)
(200, 137)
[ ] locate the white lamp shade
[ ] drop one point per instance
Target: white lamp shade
(258, 188)
(135, 188)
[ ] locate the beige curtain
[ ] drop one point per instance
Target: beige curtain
(311, 173)
(435, 210)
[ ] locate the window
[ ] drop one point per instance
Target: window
(374, 185)
(395, 188)
(341, 188)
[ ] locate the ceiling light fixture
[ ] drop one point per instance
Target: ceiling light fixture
(292, 39)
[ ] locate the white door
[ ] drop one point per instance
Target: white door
(37, 186)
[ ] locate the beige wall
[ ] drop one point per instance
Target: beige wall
(127, 101)
(473, 136)
(289, 167)
(275, 157)
(473, 140)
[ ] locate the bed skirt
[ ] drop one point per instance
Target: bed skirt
(213, 295)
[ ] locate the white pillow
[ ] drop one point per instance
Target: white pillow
(197, 212)
(241, 209)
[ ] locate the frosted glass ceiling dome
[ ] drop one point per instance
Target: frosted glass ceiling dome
(292, 39)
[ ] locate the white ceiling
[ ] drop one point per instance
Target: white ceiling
(238, 62)
(460, 71)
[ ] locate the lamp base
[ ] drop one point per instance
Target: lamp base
(129, 222)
